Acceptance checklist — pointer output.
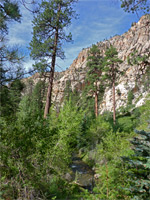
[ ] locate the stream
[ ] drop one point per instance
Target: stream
(82, 174)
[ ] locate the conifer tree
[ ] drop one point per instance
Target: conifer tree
(10, 98)
(9, 11)
(10, 67)
(139, 166)
(48, 32)
(94, 75)
(136, 5)
(112, 71)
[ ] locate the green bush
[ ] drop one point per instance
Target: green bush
(36, 153)
(126, 124)
(144, 116)
(130, 97)
(112, 173)
(98, 130)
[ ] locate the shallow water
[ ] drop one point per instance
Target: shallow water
(82, 173)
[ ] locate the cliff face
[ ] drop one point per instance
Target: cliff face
(137, 38)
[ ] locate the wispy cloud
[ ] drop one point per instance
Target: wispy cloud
(20, 33)
(28, 63)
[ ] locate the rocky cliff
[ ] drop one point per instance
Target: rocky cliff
(137, 38)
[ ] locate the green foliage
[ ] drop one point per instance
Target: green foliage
(49, 30)
(72, 96)
(11, 60)
(135, 5)
(36, 161)
(141, 62)
(98, 130)
(21, 155)
(110, 64)
(67, 90)
(9, 10)
(52, 17)
(126, 123)
(10, 98)
(132, 118)
(118, 92)
(94, 78)
(130, 97)
(70, 120)
(87, 103)
(126, 110)
(112, 176)
(95, 68)
(37, 152)
(112, 72)
(32, 104)
(135, 58)
(139, 166)
(144, 116)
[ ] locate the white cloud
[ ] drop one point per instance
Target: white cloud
(28, 64)
(20, 33)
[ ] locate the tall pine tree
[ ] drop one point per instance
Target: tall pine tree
(94, 77)
(112, 71)
(48, 33)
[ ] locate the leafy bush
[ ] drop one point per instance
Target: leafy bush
(126, 124)
(36, 153)
(144, 116)
(112, 174)
(10, 98)
(98, 130)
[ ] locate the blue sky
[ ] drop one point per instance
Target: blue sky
(97, 20)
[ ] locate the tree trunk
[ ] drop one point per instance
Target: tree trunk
(114, 100)
(96, 104)
(96, 100)
(107, 180)
(51, 78)
(114, 105)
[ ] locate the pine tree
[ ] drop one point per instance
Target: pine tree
(31, 104)
(10, 61)
(9, 10)
(94, 77)
(112, 72)
(48, 32)
(10, 98)
(135, 5)
(139, 166)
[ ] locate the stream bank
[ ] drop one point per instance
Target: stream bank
(82, 174)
